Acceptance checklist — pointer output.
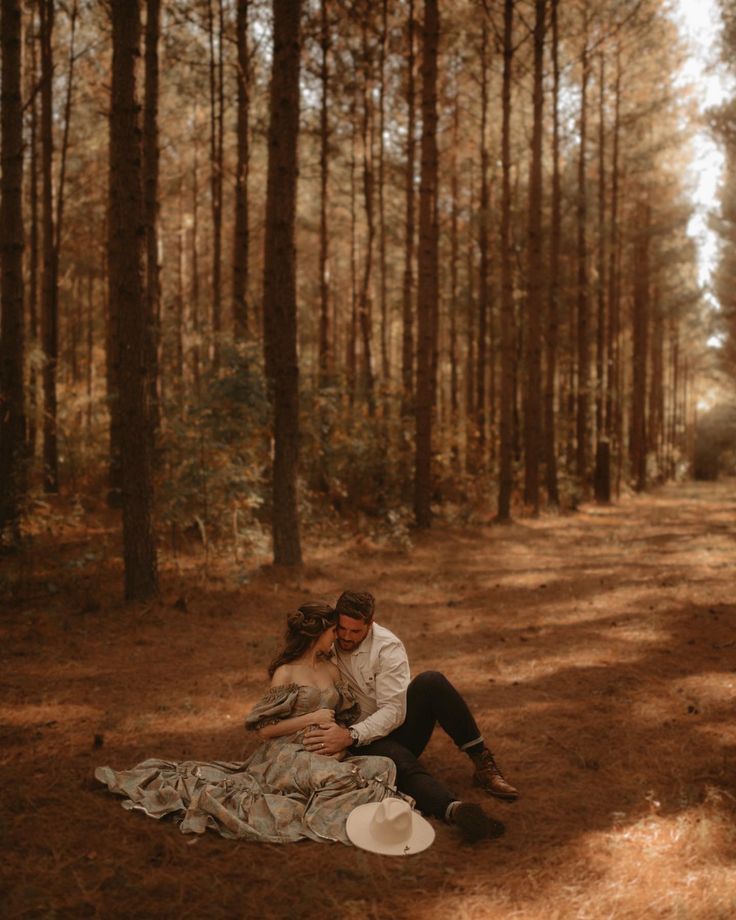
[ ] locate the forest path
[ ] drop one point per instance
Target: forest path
(597, 649)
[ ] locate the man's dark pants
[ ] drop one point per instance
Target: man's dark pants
(430, 699)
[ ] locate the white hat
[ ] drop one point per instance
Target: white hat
(390, 827)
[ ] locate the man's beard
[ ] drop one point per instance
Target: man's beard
(347, 645)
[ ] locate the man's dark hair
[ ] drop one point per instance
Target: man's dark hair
(356, 604)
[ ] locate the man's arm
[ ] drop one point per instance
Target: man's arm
(391, 683)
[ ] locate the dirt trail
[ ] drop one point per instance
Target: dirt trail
(597, 649)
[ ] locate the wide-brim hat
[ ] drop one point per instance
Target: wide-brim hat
(390, 827)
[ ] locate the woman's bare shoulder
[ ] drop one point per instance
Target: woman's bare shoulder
(282, 675)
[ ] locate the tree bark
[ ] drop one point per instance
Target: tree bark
(12, 344)
(601, 256)
(655, 426)
(151, 205)
(453, 305)
(534, 303)
(470, 325)
(351, 342)
(640, 336)
(195, 292)
(324, 175)
(428, 269)
(612, 369)
(583, 344)
(382, 263)
(217, 117)
(279, 278)
(506, 471)
(126, 259)
(553, 301)
(481, 379)
(365, 303)
(241, 234)
(33, 248)
(49, 294)
(407, 300)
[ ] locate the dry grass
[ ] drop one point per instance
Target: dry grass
(598, 651)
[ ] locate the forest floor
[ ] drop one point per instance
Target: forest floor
(598, 650)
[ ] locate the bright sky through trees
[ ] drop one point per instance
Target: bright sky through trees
(699, 22)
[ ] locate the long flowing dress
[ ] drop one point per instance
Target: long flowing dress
(282, 793)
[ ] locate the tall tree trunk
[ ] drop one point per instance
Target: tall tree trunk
(534, 303)
(674, 336)
(195, 292)
(453, 305)
(602, 474)
(33, 253)
(90, 364)
(241, 234)
(324, 174)
(428, 268)
(618, 387)
(485, 261)
(553, 300)
(506, 470)
(601, 255)
(49, 296)
(61, 185)
(351, 342)
(640, 336)
(407, 299)
(583, 344)
(125, 260)
(655, 426)
(470, 325)
(12, 347)
(582, 421)
(181, 262)
(217, 117)
(365, 304)
(613, 246)
(151, 205)
(279, 278)
(382, 264)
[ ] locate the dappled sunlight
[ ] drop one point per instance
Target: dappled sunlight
(601, 673)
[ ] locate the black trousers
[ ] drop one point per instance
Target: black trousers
(431, 699)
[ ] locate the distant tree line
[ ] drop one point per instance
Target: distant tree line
(262, 261)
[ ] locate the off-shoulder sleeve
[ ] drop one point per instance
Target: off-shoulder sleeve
(348, 709)
(276, 705)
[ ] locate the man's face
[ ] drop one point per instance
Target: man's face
(351, 632)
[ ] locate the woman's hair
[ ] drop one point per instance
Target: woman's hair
(303, 628)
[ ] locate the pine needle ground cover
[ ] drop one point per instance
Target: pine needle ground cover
(597, 649)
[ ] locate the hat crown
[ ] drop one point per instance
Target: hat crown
(392, 822)
(390, 827)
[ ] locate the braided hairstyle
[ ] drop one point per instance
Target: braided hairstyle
(303, 628)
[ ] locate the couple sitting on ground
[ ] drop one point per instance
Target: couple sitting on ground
(343, 726)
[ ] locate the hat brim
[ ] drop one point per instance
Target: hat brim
(358, 830)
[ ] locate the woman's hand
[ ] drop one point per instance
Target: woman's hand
(321, 715)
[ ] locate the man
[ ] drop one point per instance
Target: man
(398, 716)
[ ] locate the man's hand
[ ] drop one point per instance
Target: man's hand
(327, 738)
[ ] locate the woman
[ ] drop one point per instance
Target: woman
(282, 792)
